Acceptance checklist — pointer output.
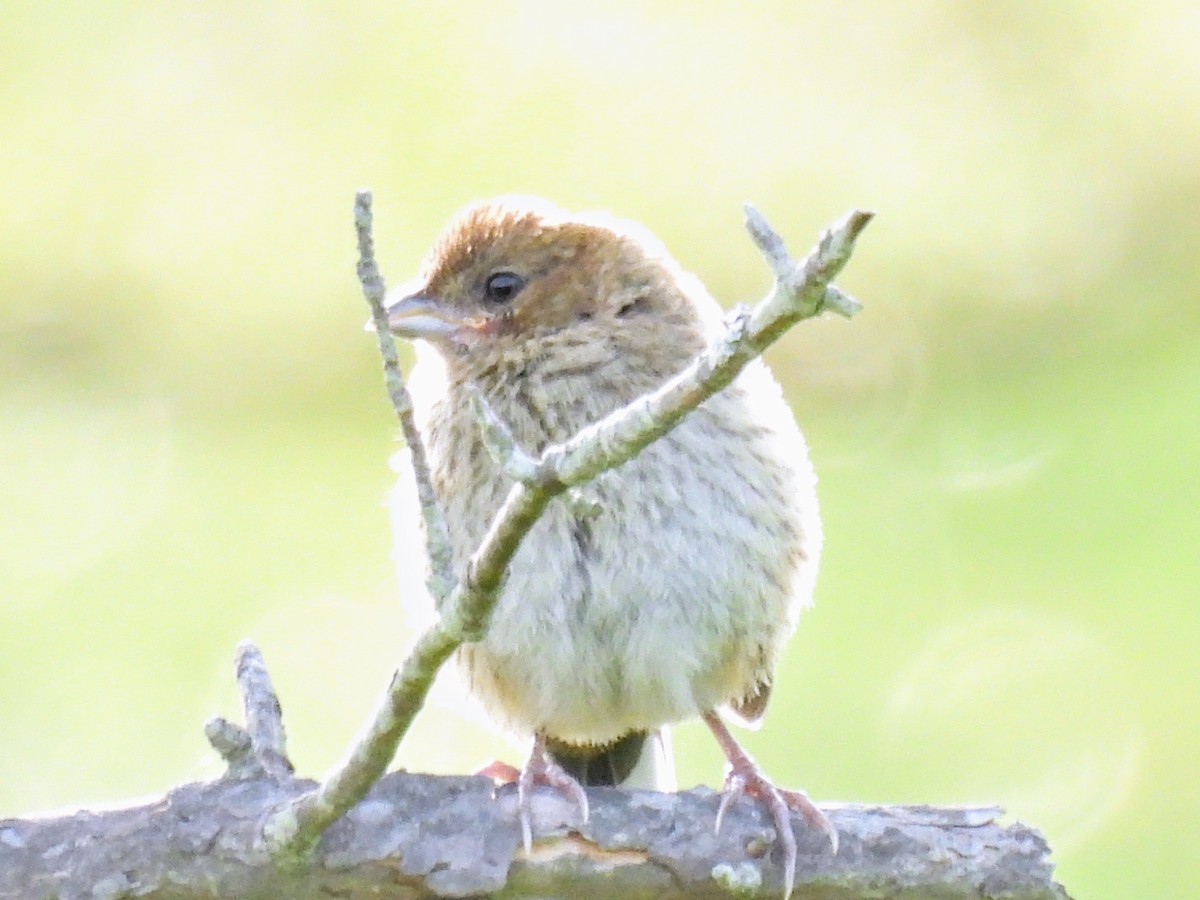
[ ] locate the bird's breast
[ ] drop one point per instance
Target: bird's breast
(663, 588)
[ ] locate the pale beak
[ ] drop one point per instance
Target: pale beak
(421, 316)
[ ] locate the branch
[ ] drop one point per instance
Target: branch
(437, 537)
(801, 290)
(424, 836)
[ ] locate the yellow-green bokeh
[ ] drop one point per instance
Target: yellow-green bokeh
(194, 436)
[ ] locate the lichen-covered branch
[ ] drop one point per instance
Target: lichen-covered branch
(423, 836)
(801, 290)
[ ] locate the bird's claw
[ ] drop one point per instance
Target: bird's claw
(735, 785)
(746, 779)
(799, 801)
(542, 769)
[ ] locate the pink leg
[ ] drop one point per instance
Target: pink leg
(745, 777)
(541, 769)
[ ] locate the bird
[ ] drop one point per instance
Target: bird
(667, 588)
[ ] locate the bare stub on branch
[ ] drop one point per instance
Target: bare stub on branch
(260, 748)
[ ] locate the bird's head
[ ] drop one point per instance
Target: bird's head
(521, 277)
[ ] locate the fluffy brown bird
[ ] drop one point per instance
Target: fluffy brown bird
(672, 593)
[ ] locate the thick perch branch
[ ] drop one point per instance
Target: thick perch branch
(800, 291)
(423, 836)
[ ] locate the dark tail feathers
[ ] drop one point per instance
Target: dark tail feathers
(603, 765)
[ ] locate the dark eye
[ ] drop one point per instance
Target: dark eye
(503, 286)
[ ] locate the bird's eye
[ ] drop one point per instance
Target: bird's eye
(501, 287)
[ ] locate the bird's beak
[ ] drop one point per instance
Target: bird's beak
(421, 316)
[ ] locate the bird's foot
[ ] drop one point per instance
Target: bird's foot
(500, 772)
(746, 778)
(540, 768)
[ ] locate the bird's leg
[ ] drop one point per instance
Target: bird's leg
(745, 777)
(541, 768)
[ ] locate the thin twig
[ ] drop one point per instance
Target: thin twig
(800, 291)
(437, 536)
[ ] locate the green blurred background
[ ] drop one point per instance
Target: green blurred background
(194, 436)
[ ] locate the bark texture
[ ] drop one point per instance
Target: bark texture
(422, 836)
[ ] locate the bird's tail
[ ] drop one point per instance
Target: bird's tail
(640, 760)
